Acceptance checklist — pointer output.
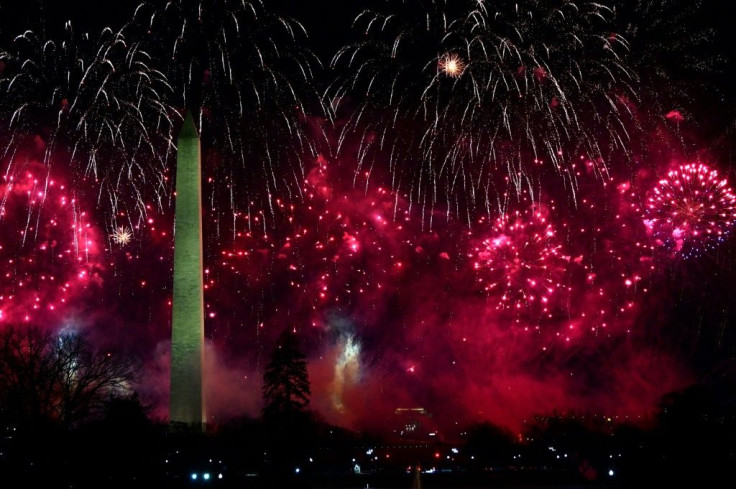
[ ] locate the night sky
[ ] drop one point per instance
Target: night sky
(522, 262)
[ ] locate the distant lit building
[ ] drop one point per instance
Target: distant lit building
(414, 424)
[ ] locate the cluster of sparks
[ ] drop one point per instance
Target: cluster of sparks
(49, 251)
(327, 253)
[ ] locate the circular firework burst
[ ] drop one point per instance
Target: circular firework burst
(691, 210)
(451, 65)
(122, 235)
(520, 263)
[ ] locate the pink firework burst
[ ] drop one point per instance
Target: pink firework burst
(520, 264)
(691, 210)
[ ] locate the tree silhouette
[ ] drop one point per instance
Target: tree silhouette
(490, 445)
(61, 379)
(286, 380)
(52, 387)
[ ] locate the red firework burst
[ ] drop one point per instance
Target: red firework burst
(691, 210)
(520, 264)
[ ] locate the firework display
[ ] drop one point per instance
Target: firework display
(473, 203)
(451, 65)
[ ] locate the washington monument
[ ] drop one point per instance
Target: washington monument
(187, 318)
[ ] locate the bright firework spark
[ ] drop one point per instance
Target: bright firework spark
(691, 210)
(122, 236)
(520, 264)
(451, 65)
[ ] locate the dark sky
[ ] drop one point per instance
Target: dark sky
(327, 21)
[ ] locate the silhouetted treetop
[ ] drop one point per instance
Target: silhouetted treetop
(286, 380)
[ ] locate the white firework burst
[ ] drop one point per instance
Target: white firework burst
(451, 65)
(122, 236)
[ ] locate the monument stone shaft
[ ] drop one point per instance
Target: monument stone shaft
(187, 319)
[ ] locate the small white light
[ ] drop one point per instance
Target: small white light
(194, 476)
(206, 476)
(219, 476)
(610, 472)
(297, 470)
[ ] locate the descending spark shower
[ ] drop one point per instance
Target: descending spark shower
(544, 294)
